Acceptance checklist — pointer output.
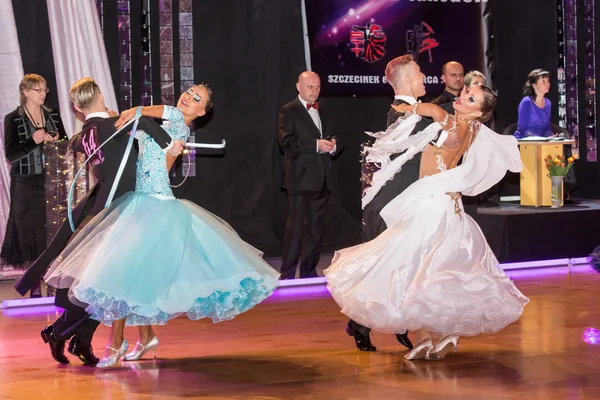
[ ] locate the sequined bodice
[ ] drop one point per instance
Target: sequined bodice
(440, 159)
(152, 174)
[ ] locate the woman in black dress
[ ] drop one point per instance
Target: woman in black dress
(25, 131)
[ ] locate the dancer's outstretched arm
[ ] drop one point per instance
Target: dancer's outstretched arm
(437, 113)
(147, 111)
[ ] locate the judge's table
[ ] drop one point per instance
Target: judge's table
(535, 182)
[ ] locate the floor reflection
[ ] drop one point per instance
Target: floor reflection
(295, 347)
(194, 376)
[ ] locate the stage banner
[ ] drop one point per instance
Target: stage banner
(351, 41)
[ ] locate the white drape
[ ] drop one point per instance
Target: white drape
(11, 73)
(79, 52)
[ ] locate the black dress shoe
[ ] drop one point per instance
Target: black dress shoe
(84, 352)
(363, 342)
(404, 340)
(57, 347)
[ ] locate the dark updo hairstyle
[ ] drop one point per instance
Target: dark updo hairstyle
(533, 77)
(488, 104)
(209, 101)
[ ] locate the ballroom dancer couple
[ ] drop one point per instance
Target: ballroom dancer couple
(430, 270)
(147, 257)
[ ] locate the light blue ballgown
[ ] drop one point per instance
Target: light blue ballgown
(150, 257)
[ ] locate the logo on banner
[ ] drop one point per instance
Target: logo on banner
(368, 42)
(421, 39)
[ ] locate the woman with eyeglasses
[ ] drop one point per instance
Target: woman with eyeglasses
(26, 129)
(150, 257)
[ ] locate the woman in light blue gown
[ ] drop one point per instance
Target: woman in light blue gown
(150, 257)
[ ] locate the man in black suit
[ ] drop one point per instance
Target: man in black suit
(453, 75)
(75, 323)
(407, 80)
(307, 139)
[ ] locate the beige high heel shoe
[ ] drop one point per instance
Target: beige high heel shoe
(442, 347)
(421, 350)
(141, 349)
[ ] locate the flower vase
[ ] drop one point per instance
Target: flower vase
(556, 191)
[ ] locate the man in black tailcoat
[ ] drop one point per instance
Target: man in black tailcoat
(74, 323)
(407, 80)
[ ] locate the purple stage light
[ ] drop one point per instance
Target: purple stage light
(25, 311)
(312, 291)
(591, 336)
(316, 287)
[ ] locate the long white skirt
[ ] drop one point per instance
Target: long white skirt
(432, 270)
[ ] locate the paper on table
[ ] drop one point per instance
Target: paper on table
(534, 139)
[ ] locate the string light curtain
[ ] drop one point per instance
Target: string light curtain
(62, 165)
(156, 54)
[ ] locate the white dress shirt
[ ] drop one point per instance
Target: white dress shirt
(409, 99)
(314, 114)
(99, 114)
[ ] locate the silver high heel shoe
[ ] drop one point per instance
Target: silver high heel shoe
(140, 350)
(443, 346)
(113, 359)
(420, 351)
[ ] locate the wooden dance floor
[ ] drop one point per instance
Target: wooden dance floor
(294, 347)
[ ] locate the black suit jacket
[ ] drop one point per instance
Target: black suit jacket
(445, 97)
(304, 168)
(373, 223)
(104, 167)
(107, 160)
(15, 146)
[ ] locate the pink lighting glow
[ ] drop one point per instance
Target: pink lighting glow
(591, 336)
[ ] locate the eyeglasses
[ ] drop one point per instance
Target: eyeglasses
(39, 90)
(196, 96)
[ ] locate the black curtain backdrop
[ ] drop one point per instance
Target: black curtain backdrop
(252, 66)
(524, 35)
(524, 38)
(251, 53)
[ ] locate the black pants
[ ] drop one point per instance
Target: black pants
(373, 224)
(304, 233)
(74, 321)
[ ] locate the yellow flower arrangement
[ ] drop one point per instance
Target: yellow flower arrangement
(557, 165)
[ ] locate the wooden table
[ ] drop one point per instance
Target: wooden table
(535, 182)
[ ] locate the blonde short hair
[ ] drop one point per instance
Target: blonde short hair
(395, 66)
(472, 75)
(29, 82)
(84, 93)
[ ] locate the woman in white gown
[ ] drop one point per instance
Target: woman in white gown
(432, 270)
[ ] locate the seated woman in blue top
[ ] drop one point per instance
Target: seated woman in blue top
(534, 110)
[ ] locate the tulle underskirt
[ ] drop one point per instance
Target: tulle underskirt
(150, 259)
